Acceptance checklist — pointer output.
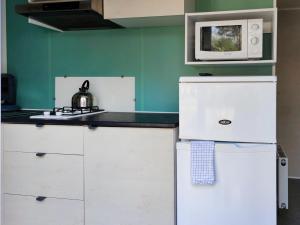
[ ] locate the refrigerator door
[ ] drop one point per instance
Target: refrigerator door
(228, 109)
(244, 192)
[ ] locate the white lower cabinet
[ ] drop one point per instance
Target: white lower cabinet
(129, 176)
(26, 210)
(51, 175)
(43, 175)
(114, 176)
(57, 139)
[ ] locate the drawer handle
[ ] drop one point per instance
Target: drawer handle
(92, 126)
(39, 154)
(40, 198)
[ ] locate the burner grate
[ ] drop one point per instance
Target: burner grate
(69, 110)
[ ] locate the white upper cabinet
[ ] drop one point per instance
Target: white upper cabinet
(143, 13)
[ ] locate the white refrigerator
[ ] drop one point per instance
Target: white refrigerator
(239, 114)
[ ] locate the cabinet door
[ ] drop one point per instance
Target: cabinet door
(129, 176)
(26, 210)
(147, 13)
(114, 9)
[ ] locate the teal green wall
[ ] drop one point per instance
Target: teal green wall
(155, 56)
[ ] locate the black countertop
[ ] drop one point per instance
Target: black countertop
(106, 119)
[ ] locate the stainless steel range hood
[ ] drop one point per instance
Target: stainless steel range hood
(67, 15)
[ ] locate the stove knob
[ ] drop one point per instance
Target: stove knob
(46, 113)
(58, 113)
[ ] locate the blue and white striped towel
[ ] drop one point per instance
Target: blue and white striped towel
(203, 162)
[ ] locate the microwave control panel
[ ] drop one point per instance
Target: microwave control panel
(255, 38)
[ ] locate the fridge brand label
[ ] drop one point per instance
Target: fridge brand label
(224, 122)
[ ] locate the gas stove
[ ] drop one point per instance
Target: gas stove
(66, 113)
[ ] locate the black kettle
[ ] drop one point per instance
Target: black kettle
(83, 99)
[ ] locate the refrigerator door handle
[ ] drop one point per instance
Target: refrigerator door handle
(246, 146)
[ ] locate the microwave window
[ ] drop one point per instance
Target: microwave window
(221, 38)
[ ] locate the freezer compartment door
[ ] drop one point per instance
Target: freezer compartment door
(244, 192)
(224, 111)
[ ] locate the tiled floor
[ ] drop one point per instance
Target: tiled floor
(292, 215)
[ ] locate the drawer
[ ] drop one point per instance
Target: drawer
(51, 175)
(26, 210)
(48, 139)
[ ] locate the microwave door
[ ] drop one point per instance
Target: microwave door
(221, 40)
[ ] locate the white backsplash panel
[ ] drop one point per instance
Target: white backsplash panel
(116, 94)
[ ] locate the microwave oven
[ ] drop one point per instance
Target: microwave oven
(229, 39)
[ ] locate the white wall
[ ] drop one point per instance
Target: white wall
(287, 69)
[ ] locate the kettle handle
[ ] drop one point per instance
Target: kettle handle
(85, 86)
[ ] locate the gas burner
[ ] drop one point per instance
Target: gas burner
(67, 112)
